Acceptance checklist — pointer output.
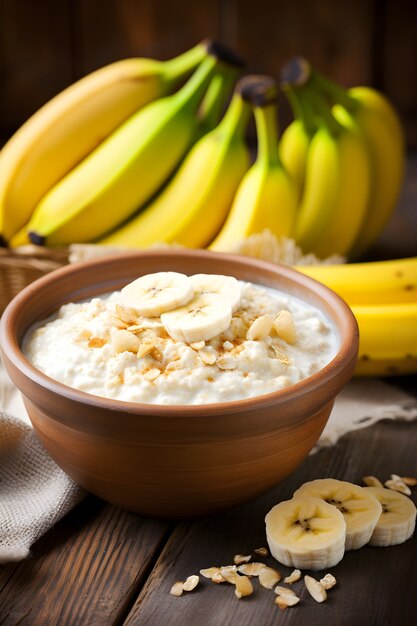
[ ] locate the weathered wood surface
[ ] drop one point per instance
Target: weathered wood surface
(102, 566)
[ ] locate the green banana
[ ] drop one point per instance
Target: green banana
(123, 173)
(266, 197)
(193, 206)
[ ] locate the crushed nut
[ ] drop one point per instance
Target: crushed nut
(372, 481)
(177, 589)
(135, 328)
(229, 573)
(268, 577)
(284, 591)
(226, 363)
(96, 342)
(284, 326)
(398, 485)
(191, 583)
(197, 345)
(409, 481)
(210, 572)
(243, 587)
(328, 581)
(123, 341)
(251, 569)
(262, 551)
(238, 559)
(207, 356)
(315, 589)
(260, 328)
(293, 577)
(145, 348)
(227, 345)
(126, 314)
(152, 374)
(218, 578)
(156, 354)
(285, 601)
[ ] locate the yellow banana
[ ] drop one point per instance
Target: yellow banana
(119, 176)
(193, 206)
(293, 150)
(378, 282)
(387, 339)
(266, 197)
(380, 126)
(56, 138)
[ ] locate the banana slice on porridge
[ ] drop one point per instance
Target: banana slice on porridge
(218, 284)
(154, 294)
(202, 319)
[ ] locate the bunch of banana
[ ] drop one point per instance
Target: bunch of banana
(266, 197)
(345, 150)
(194, 204)
(76, 168)
(325, 517)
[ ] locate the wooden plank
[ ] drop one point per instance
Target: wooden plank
(269, 33)
(35, 57)
(107, 31)
(398, 61)
(375, 585)
(86, 570)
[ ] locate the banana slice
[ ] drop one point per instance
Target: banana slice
(306, 533)
(217, 284)
(398, 518)
(360, 509)
(157, 293)
(202, 319)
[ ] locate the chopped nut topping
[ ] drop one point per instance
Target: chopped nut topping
(262, 551)
(238, 559)
(243, 587)
(260, 328)
(284, 591)
(96, 342)
(372, 481)
(408, 480)
(268, 577)
(396, 484)
(210, 572)
(145, 348)
(191, 583)
(251, 569)
(156, 354)
(328, 581)
(207, 356)
(135, 328)
(227, 345)
(218, 578)
(197, 345)
(285, 601)
(123, 341)
(152, 374)
(226, 363)
(126, 314)
(315, 589)
(284, 326)
(293, 577)
(177, 589)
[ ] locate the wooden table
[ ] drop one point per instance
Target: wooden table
(104, 566)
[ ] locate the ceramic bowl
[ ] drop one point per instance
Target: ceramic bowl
(175, 461)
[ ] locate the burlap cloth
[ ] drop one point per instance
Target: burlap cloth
(35, 493)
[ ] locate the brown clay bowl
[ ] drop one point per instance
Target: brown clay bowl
(175, 461)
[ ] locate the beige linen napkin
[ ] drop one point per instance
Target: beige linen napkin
(35, 493)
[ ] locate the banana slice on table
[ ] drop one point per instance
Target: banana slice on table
(398, 518)
(226, 286)
(306, 533)
(360, 509)
(202, 319)
(157, 293)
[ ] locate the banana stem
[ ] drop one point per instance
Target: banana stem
(301, 109)
(213, 102)
(180, 66)
(236, 118)
(192, 92)
(322, 109)
(337, 94)
(267, 133)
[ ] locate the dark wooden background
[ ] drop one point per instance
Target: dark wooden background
(47, 44)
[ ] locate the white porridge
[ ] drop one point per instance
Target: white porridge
(187, 340)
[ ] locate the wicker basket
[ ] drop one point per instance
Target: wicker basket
(20, 267)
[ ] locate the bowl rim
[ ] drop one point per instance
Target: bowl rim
(346, 353)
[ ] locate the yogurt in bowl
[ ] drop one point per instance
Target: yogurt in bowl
(171, 339)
